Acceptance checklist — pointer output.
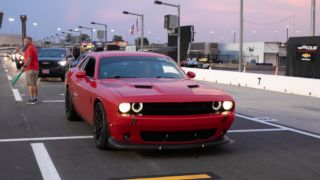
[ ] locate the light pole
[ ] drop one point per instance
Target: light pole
(313, 17)
(287, 28)
(241, 36)
(212, 34)
(234, 32)
(74, 31)
(276, 35)
(105, 29)
(254, 35)
(178, 39)
(91, 30)
(35, 30)
(11, 20)
(142, 26)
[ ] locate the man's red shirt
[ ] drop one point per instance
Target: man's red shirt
(31, 52)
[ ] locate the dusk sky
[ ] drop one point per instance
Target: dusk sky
(268, 18)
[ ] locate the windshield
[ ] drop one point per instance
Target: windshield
(139, 67)
(57, 53)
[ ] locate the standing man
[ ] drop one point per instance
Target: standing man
(31, 67)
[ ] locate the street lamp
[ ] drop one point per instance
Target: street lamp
(212, 34)
(71, 30)
(287, 28)
(276, 35)
(234, 32)
(11, 20)
(142, 26)
(254, 35)
(35, 31)
(178, 39)
(105, 29)
(82, 27)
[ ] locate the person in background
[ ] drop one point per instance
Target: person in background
(31, 68)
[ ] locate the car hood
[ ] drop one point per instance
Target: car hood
(51, 58)
(175, 89)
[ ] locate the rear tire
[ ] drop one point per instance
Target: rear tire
(100, 127)
(18, 66)
(71, 114)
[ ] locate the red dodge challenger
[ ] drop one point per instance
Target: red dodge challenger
(137, 100)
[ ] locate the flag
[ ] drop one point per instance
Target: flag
(132, 29)
(137, 25)
(15, 79)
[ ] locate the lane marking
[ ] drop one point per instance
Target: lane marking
(9, 78)
(53, 101)
(266, 119)
(17, 95)
(256, 130)
(280, 126)
(184, 177)
(6, 70)
(47, 168)
(44, 138)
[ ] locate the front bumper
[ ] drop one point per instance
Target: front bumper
(120, 145)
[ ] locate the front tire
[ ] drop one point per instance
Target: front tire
(71, 114)
(100, 127)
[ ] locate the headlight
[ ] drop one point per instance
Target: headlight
(137, 107)
(227, 105)
(216, 105)
(62, 63)
(22, 57)
(124, 107)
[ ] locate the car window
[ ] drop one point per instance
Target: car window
(139, 67)
(90, 67)
(55, 53)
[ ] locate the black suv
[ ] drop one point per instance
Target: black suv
(54, 62)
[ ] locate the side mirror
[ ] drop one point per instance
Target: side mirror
(81, 74)
(191, 74)
(70, 59)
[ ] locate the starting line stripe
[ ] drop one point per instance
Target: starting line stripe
(17, 95)
(280, 126)
(45, 138)
(53, 101)
(183, 177)
(47, 168)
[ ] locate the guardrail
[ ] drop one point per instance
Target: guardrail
(285, 84)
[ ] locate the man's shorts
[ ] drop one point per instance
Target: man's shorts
(32, 77)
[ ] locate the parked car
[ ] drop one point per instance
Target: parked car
(139, 100)
(54, 62)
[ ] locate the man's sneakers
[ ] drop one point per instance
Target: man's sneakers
(32, 101)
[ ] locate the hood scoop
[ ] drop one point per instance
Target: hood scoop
(143, 86)
(193, 86)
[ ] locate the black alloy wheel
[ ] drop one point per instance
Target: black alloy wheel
(71, 114)
(100, 127)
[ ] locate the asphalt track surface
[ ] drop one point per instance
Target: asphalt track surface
(275, 136)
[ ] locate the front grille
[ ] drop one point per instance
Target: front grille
(188, 108)
(49, 64)
(176, 136)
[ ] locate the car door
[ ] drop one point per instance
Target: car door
(85, 89)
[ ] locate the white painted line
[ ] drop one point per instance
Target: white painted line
(256, 130)
(266, 119)
(53, 101)
(48, 171)
(9, 78)
(6, 70)
(280, 126)
(17, 95)
(44, 138)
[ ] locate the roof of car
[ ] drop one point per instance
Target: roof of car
(123, 53)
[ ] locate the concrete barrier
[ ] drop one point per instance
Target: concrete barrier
(285, 84)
